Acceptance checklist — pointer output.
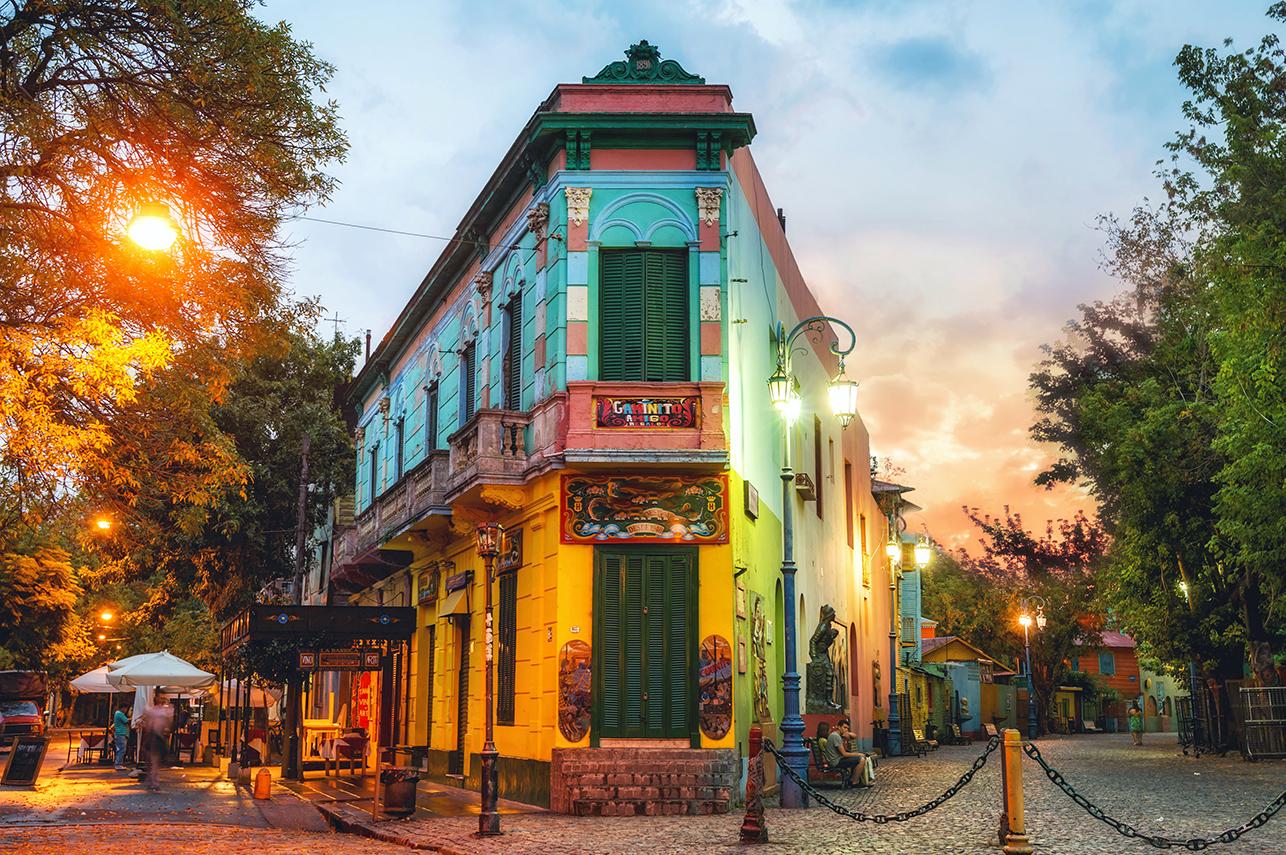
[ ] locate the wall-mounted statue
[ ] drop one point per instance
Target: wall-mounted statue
(821, 671)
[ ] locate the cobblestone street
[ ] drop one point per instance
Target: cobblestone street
(1155, 788)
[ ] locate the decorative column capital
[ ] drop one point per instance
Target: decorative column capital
(708, 204)
(578, 204)
(359, 436)
(483, 283)
(538, 219)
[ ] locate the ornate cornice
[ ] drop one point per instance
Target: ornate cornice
(509, 496)
(643, 64)
(708, 204)
(578, 204)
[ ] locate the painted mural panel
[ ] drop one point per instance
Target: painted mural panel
(574, 690)
(645, 509)
(715, 663)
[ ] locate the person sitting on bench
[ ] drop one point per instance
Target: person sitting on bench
(835, 751)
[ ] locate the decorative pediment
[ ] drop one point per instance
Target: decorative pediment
(643, 64)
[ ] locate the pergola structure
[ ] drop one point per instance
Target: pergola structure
(316, 630)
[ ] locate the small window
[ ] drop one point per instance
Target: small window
(817, 463)
(848, 501)
(1106, 663)
(507, 639)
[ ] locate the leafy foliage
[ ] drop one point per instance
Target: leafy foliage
(1168, 401)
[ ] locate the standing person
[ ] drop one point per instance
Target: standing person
(120, 734)
(1136, 724)
(157, 720)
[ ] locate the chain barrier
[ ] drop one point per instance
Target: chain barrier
(882, 818)
(1194, 844)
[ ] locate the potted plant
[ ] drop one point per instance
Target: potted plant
(398, 784)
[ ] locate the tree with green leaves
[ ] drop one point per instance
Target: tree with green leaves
(979, 597)
(1168, 401)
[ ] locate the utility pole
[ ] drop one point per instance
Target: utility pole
(291, 765)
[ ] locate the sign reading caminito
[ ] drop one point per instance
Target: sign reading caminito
(647, 412)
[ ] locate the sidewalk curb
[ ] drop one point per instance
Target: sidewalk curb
(343, 824)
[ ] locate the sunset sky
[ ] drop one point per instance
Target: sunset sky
(941, 166)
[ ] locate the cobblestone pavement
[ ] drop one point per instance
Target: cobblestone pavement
(1155, 788)
(202, 839)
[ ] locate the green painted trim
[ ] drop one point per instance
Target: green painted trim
(738, 128)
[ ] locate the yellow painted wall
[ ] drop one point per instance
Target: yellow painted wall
(555, 606)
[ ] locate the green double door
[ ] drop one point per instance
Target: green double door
(645, 619)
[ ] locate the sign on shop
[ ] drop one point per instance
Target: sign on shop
(647, 412)
(353, 659)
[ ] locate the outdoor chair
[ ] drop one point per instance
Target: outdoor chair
(352, 749)
(955, 737)
(89, 745)
(930, 744)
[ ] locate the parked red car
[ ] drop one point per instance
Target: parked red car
(20, 718)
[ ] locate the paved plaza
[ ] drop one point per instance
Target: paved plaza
(1155, 788)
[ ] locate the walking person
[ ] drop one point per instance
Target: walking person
(120, 734)
(1136, 724)
(158, 718)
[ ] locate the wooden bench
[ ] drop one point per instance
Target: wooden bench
(955, 737)
(918, 735)
(1090, 727)
(824, 770)
(990, 730)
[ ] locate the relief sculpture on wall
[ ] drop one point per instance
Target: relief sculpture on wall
(758, 646)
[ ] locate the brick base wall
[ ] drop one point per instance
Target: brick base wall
(647, 781)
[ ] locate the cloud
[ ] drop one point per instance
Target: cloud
(932, 63)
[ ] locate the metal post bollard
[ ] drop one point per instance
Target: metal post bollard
(1016, 842)
(753, 827)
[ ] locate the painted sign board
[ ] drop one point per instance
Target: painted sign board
(353, 659)
(26, 755)
(645, 509)
(612, 412)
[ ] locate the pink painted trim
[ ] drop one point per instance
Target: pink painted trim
(644, 159)
(583, 432)
(577, 338)
(711, 338)
(600, 98)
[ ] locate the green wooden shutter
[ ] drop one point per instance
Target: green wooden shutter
(655, 662)
(513, 364)
(632, 645)
(679, 669)
(468, 383)
(431, 418)
(506, 667)
(621, 316)
(666, 325)
(607, 644)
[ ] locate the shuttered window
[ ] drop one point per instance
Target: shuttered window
(513, 355)
(431, 417)
(643, 315)
(644, 644)
(817, 464)
(468, 382)
(507, 640)
(848, 501)
(399, 455)
(376, 486)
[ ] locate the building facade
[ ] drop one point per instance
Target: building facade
(586, 364)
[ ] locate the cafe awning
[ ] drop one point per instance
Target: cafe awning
(455, 604)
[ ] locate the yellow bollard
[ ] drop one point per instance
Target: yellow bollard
(1016, 835)
(263, 783)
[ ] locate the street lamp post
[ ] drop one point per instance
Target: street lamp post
(488, 542)
(783, 390)
(1025, 620)
(923, 555)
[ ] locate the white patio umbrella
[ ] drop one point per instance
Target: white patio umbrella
(128, 660)
(260, 696)
(159, 669)
(95, 682)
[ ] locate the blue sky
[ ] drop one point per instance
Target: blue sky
(941, 166)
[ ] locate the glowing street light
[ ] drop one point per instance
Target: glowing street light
(103, 524)
(923, 553)
(153, 228)
(1025, 620)
(106, 616)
